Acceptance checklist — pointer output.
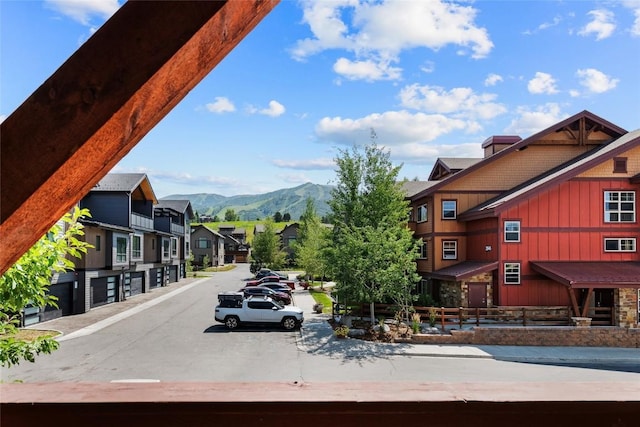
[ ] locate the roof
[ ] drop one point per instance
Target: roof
(412, 188)
(560, 174)
(126, 182)
(180, 206)
(212, 231)
(613, 130)
(580, 274)
(464, 270)
(451, 165)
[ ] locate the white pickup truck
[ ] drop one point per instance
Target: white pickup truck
(256, 310)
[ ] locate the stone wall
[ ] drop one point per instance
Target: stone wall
(539, 336)
(627, 307)
(450, 294)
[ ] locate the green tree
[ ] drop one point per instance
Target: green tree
(372, 253)
(206, 261)
(266, 250)
(286, 217)
(27, 283)
(311, 242)
(277, 217)
(216, 218)
(230, 215)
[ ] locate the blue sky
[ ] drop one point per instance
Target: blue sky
(431, 78)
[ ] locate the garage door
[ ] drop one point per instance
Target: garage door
(64, 293)
(137, 280)
(103, 290)
(155, 277)
(173, 273)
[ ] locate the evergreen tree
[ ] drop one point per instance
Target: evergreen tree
(277, 217)
(372, 254)
(286, 217)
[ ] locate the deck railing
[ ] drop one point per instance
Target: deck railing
(450, 317)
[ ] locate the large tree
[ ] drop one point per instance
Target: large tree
(372, 255)
(266, 250)
(27, 281)
(311, 242)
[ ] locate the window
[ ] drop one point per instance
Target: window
(121, 248)
(449, 249)
(97, 245)
(136, 246)
(174, 247)
(512, 231)
(421, 213)
(619, 165)
(166, 245)
(511, 273)
(448, 209)
(203, 243)
(619, 206)
(410, 215)
(423, 251)
(620, 245)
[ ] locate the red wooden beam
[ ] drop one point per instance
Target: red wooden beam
(102, 101)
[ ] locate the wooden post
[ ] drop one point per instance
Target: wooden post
(524, 316)
(477, 316)
(442, 317)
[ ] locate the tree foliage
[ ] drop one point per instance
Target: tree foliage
(372, 254)
(266, 251)
(27, 282)
(230, 215)
(311, 242)
(277, 217)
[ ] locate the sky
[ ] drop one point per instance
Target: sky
(422, 78)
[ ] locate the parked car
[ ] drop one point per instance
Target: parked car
(276, 286)
(260, 310)
(282, 297)
(272, 279)
(266, 272)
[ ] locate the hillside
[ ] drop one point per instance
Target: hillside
(260, 206)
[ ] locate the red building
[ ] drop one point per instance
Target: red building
(550, 220)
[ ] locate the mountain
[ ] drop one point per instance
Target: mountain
(259, 206)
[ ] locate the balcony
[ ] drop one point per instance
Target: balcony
(141, 222)
(177, 229)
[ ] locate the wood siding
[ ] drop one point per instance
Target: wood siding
(563, 223)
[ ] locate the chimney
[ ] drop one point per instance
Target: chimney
(495, 143)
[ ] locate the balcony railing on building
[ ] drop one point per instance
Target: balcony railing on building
(140, 221)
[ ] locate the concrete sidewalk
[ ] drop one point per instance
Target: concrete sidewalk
(316, 335)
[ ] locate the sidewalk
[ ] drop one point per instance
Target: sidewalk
(316, 335)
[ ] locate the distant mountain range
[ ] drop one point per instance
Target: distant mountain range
(260, 206)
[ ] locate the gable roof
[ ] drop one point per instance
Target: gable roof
(180, 206)
(578, 120)
(126, 182)
(555, 176)
(412, 188)
(210, 230)
(451, 165)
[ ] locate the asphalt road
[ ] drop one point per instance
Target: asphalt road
(178, 340)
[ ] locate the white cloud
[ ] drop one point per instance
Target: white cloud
(379, 31)
(635, 7)
(542, 83)
(530, 121)
(368, 70)
(596, 81)
(461, 100)
(308, 164)
(275, 109)
(602, 24)
(416, 153)
(221, 105)
(82, 10)
(544, 26)
(492, 79)
(391, 127)
(297, 178)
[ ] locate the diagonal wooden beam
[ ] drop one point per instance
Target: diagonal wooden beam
(574, 301)
(102, 101)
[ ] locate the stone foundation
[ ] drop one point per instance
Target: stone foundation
(538, 336)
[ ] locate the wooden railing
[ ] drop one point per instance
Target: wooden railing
(448, 317)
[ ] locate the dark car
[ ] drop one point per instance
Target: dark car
(282, 297)
(276, 286)
(266, 272)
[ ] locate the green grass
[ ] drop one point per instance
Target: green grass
(323, 298)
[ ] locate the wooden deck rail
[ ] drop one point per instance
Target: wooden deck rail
(524, 316)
